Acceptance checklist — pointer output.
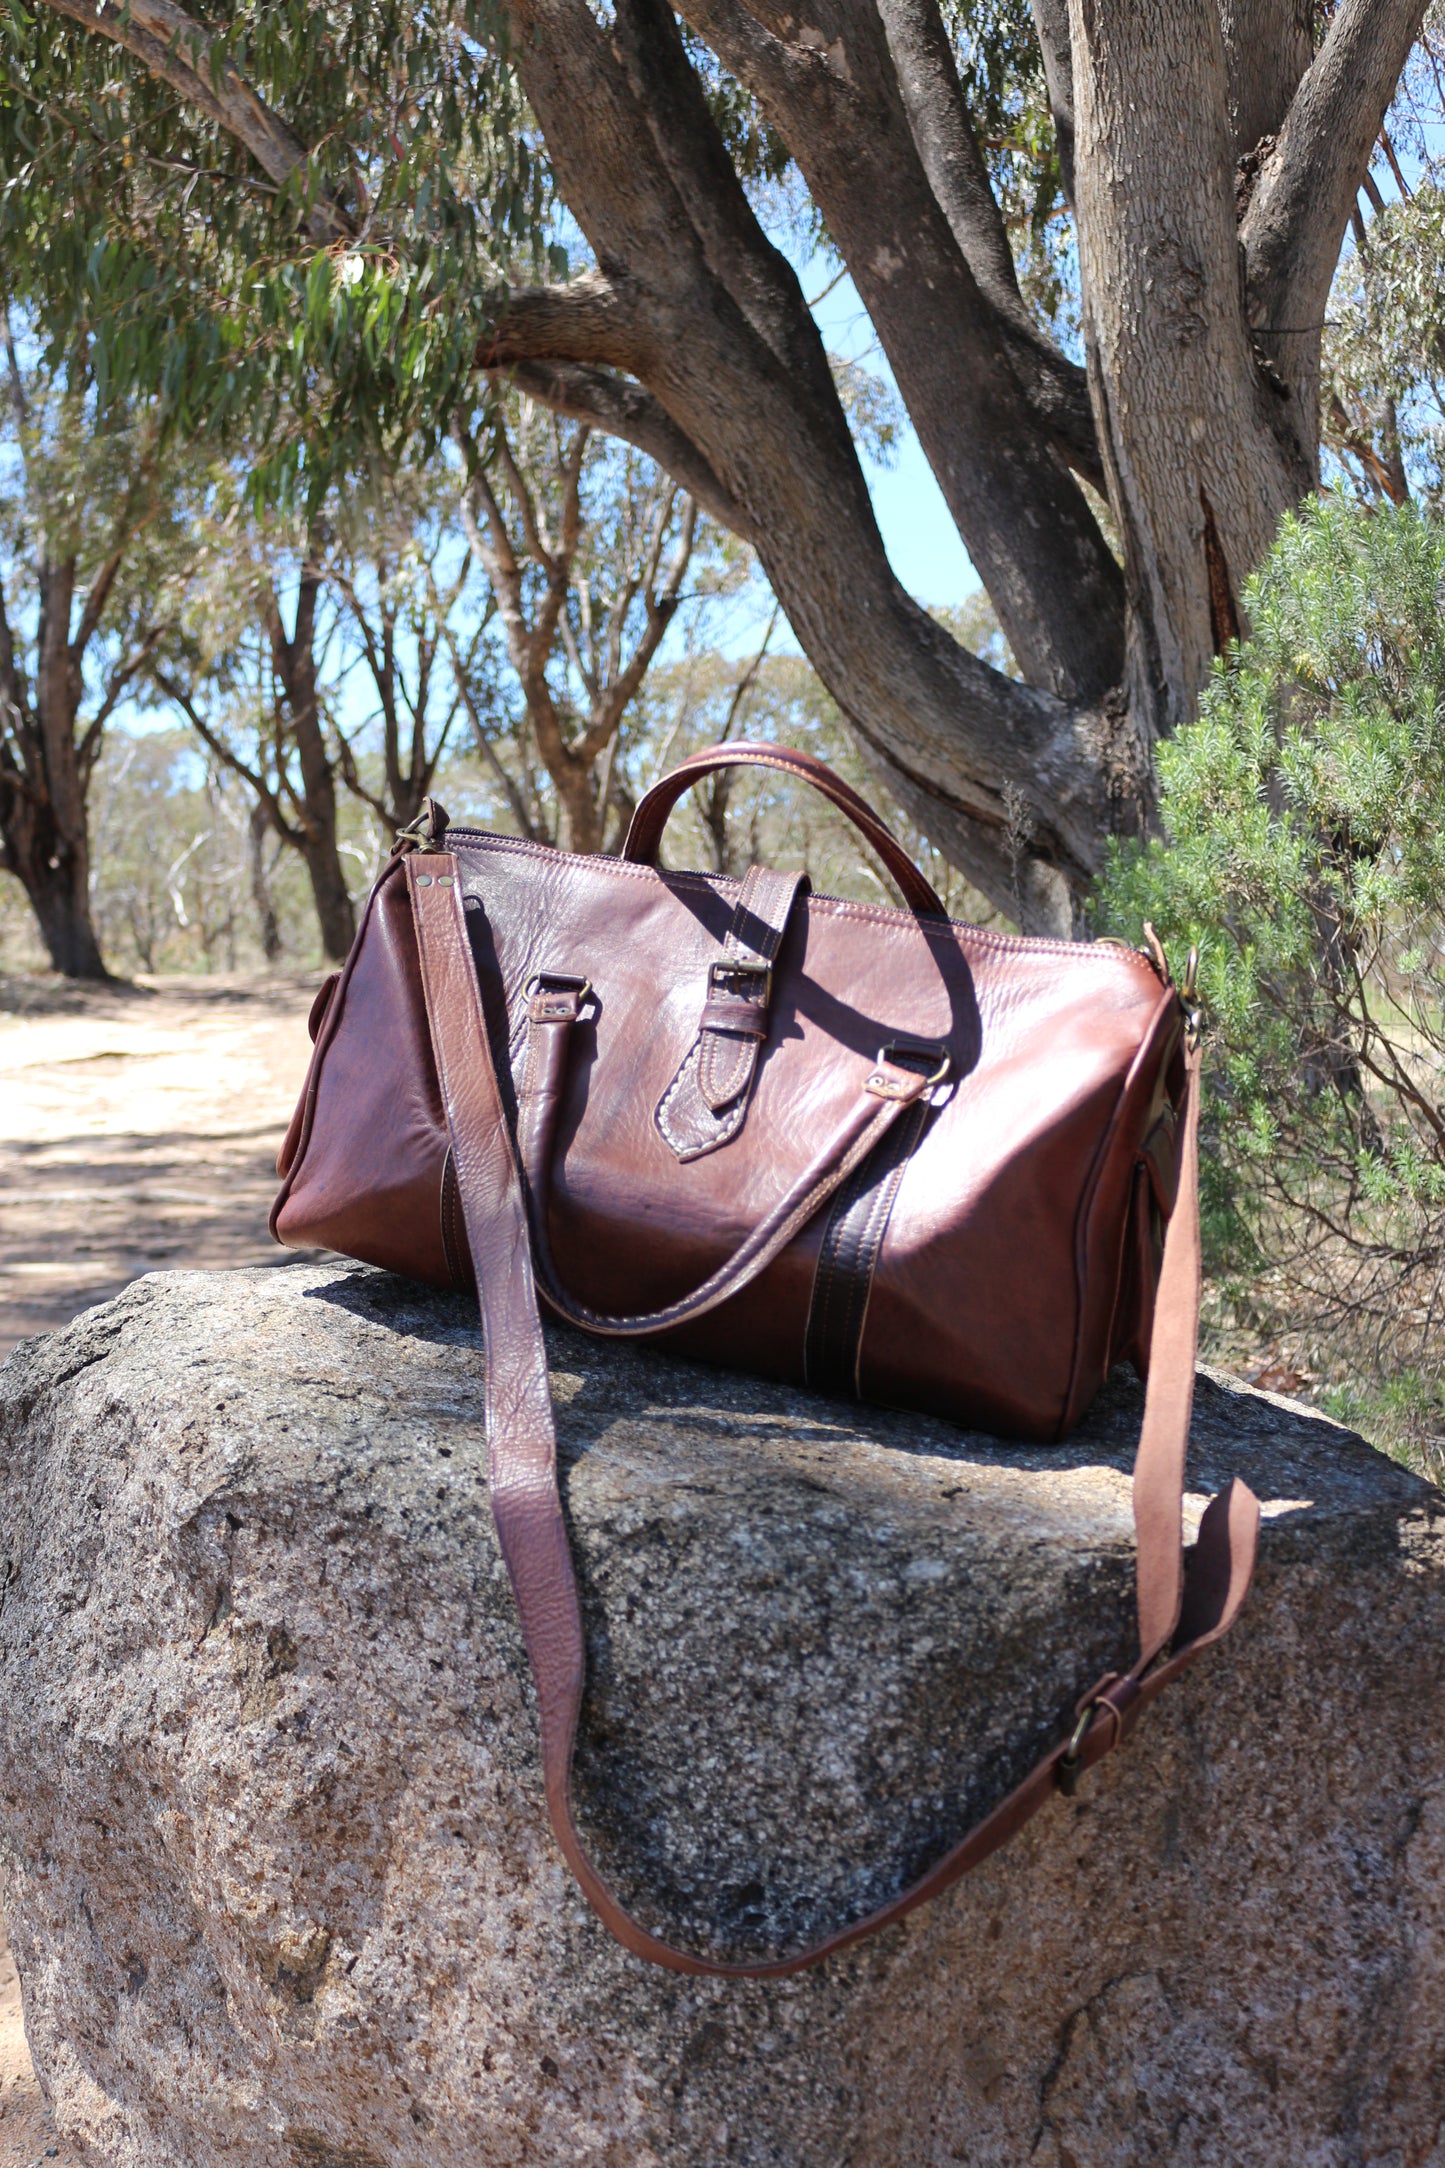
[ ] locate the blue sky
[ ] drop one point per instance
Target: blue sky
(921, 539)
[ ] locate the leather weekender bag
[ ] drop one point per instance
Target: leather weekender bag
(864, 1149)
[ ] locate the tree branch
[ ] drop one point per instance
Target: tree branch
(586, 320)
(832, 92)
(96, 600)
(661, 608)
(1297, 215)
(1268, 47)
(942, 128)
(1051, 26)
(528, 654)
(351, 777)
(520, 814)
(943, 134)
(536, 542)
(172, 46)
(122, 675)
(684, 135)
(14, 695)
(251, 777)
(17, 381)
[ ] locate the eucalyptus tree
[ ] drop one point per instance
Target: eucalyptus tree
(247, 665)
(89, 568)
(586, 545)
(1207, 156)
(1384, 373)
(415, 616)
(1385, 381)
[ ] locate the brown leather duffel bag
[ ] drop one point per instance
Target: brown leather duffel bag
(864, 1149)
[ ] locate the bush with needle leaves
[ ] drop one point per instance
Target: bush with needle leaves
(1303, 850)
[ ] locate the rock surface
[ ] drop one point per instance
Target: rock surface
(274, 1862)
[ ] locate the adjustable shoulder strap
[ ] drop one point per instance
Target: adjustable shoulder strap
(1180, 1611)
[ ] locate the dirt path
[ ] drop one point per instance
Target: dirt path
(138, 1130)
(27, 2130)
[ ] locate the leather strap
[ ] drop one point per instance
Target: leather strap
(645, 832)
(706, 1104)
(739, 985)
(887, 1092)
(1184, 1606)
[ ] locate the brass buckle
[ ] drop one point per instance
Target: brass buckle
(1068, 1768)
(742, 967)
(567, 991)
(897, 1059)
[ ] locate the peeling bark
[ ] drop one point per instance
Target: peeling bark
(1223, 607)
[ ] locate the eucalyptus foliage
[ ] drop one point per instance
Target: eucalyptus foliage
(337, 307)
(1385, 350)
(1304, 853)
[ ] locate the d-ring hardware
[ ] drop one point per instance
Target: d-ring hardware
(898, 1052)
(1068, 1768)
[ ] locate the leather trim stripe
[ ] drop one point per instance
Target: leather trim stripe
(454, 1233)
(848, 1259)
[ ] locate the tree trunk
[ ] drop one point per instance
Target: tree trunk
(44, 826)
(270, 931)
(58, 886)
(294, 655)
(1198, 479)
(335, 914)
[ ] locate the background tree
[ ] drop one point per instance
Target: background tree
(1208, 156)
(586, 545)
(415, 617)
(1384, 377)
(247, 669)
(174, 869)
(88, 569)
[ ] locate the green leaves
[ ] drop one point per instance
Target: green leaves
(1383, 358)
(1304, 852)
(131, 221)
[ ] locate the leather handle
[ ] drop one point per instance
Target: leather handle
(648, 822)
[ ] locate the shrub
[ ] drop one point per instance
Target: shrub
(1304, 851)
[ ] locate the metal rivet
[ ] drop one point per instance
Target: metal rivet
(444, 880)
(423, 880)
